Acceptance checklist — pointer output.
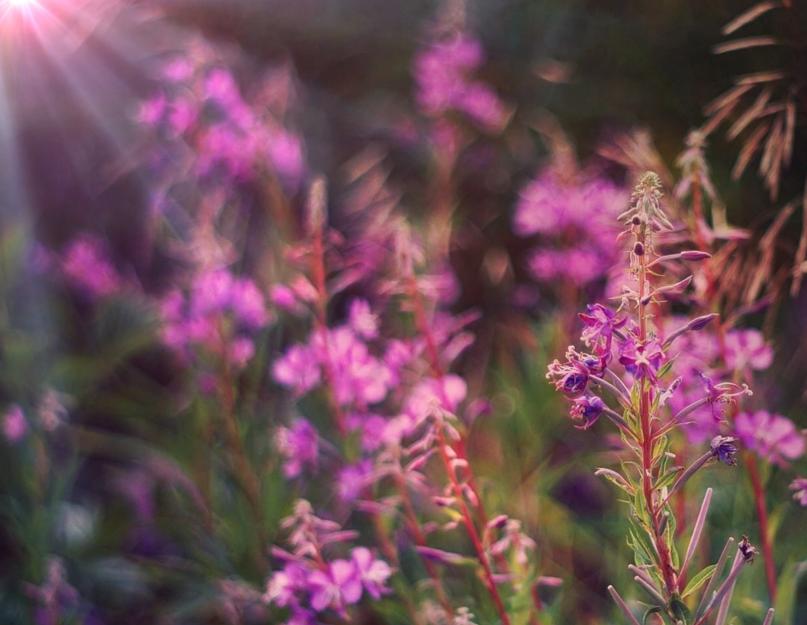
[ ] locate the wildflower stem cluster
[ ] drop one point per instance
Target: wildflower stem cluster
(624, 378)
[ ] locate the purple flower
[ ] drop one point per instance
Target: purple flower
(799, 486)
(362, 320)
(353, 478)
(722, 397)
(299, 446)
(283, 586)
(247, 303)
(773, 437)
(442, 75)
(586, 410)
(576, 223)
(297, 369)
(340, 585)
(85, 264)
(15, 426)
(747, 349)
(446, 393)
(642, 360)
(359, 378)
(571, 377)
(724, 448)
(600, 323)
(372, 573)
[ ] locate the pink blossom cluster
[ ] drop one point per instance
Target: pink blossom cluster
(443, 73)
(220, 313)
(231, 141)
(309, 583)
(574, 226)
(85, 265)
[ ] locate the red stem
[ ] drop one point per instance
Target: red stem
(665, 563)
(459, 449)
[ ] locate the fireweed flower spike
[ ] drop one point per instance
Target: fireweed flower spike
(624, 379)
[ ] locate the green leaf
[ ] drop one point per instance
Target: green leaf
(698, 580)
(679, 610)
(649, 613)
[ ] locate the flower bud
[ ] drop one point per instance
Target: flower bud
(724, 448)
(699, 323)
(695, 255)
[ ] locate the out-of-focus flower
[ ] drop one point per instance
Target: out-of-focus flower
(747, 348)
(15, 425)
(299, 446)
(372, 573)
(85, 265)
(362, 319)
(232, 139)
(445, 393)
(52, 410)
(799, 488)
(443, 72)
(336, 587)
(220, 314)
(463, 617)
(55, 598)
(353, 478)
(576, 225)
(297, 369)
(771, 436)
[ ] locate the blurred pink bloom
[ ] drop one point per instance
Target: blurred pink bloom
(340, 585)
(372, 573)
(799, 486)
(15, 426)
(299, 446)
(747, 348)
(771, 436)
(576, 225)
(442, 74)
(297, 369)
(85, 264)
(362, 319)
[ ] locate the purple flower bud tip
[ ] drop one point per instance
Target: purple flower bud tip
(747, 549)
(440, 556)
(698, 323)
(724, 448)
(694, 255)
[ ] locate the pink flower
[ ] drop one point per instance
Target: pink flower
(747, 348)
(15, 426)
(86, 266)
(445, 393)
(340, 585)
(576, 223)
(298, 369)
(362, 320)
(773, 437)
(799, 486)
(299, 446)
(353, 478)
(373, 573)
(442, 73)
